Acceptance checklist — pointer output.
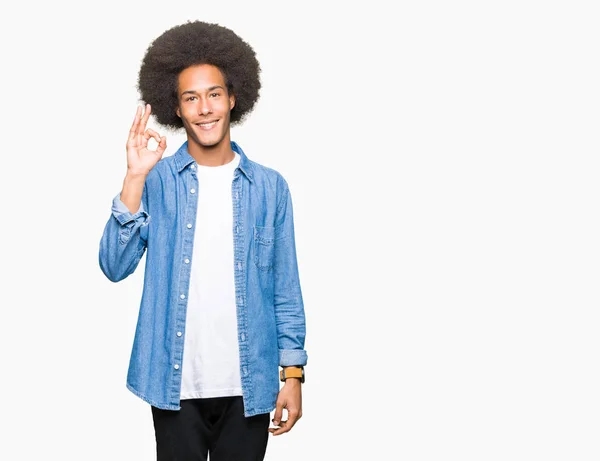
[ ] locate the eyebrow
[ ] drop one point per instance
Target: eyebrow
(214, 87)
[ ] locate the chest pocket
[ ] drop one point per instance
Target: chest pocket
(264, 247)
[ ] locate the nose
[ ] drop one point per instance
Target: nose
(204, 107)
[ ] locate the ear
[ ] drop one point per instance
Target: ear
(231, 101)
(178, 112)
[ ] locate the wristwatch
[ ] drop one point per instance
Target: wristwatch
(295, 371)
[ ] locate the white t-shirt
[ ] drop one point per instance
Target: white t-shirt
(211, 362)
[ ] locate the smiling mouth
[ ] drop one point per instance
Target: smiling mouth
(207, 125)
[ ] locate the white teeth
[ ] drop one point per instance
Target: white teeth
(208, 124)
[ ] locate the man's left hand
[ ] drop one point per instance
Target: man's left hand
(290, 398)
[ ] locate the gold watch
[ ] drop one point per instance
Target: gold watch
(292, 372)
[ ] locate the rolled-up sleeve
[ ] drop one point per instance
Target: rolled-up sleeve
(289, 305)
(121, 245)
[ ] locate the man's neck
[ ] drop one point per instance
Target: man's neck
(217, 155)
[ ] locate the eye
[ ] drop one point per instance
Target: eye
(214, 94)
(189, 98)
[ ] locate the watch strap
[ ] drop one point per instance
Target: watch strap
(292, 372)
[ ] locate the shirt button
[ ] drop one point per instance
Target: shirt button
(176, 366)
(187, 261)
(179, 333)
(193, 167)
(182, 296)
(237, 229)
(239, 265)
(243, 337)
(193, 191)
(189, 226)
(245, 371)
(237, 195)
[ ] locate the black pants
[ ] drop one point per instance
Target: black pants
(216, 425)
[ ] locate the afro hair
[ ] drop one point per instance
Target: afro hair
(192, 43)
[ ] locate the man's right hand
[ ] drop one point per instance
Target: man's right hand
(140, 160)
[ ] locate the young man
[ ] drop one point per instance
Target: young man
(222, 306)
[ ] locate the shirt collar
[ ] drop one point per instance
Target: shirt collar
(183, 159)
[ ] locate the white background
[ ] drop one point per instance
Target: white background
(443, 162)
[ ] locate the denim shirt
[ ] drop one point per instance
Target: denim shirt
(269, 305)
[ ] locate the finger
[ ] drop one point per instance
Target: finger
(292, 418)
(162, 145)
(278, 413)
(145, 119)
(136, 121)
(282, 429)
(141, 127)
(150, 133)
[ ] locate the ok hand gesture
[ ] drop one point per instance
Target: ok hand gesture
(140, 160)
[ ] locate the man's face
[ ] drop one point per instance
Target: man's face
(204, 104)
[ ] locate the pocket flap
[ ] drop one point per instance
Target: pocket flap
(264, 235)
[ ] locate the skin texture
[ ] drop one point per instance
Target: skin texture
(290, 398)
(140, 159)
(203, 97)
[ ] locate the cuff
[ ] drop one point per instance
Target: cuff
(124, 216)
(291, 357)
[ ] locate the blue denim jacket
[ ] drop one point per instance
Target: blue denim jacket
(270, 309)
